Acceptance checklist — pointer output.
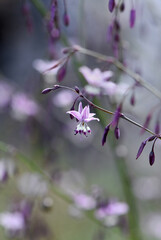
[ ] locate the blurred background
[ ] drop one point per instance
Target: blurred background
(36, 205)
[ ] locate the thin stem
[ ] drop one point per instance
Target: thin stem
(40, 7)
(120, 66)
(105, 110)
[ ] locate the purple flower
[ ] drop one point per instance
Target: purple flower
(112, 208)
(12, 221)
(84, 116)
(84, 201)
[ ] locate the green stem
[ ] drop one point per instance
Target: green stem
(40, 7)
(134, 229)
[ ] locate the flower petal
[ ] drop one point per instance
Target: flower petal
(91, 119)
(75, 114)
(80, 108)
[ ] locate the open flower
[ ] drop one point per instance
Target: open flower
(84, 116)
(98, 82)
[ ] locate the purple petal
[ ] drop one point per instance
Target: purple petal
(80, 108)
(91, 119)
(85, 112)
(75, 114)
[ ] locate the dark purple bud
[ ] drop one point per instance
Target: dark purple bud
(66, 50)
(132, 100)
(132, 17)
(52, 12)
(66, 19)
(110, 32)
(151, 157)
(77, 89)
(117, 132)
(47, 90)
(117, 25)
(122, 7)
(55, 33)
(146, 123)
(111, 5)
(107, 128)
(141, 149)
(151, 138)
(157, 127)
(117, 38)
(116, 116)
(62, 72)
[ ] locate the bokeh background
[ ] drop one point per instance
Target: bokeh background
(37, 125)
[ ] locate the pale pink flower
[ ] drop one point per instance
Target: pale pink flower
(43, 65)
(98, 82)
(84, 116)
(84, 201)
(12, 221)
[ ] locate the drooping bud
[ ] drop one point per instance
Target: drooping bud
(157, 127)
(141, 148)
(62, 72)
(122, 7)
(117, 25)
(132, 17)
(47, 90)
(111, 5)
(132, 99)
(151, 157)
(146, 123)
(151, 138)
(116, 116)
(107, 128)
(66, 19)
(77, 89)
(117, 132)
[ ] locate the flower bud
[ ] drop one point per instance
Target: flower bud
(141, 149)
(132, 100)
(132, 17)
(62, 72)
(66, 19)
(77, 89)
(117, 132)
(111, 5)
(146, 123)
(157, 127)
(151, 157)
(107, 128)
(122, 7)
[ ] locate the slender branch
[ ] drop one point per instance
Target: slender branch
(120, 66)
(100, 108)
(40, 7)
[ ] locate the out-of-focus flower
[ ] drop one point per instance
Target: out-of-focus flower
(6, 92)
(98, 82)
(23, 106)
(3, 172)
(12, 221)
(84, 201)
(84, 116)
(112, 208)
(7, 169)
(32, 185)
(43, 65)
(63, 99)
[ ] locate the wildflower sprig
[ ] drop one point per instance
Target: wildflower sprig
(82, 114)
